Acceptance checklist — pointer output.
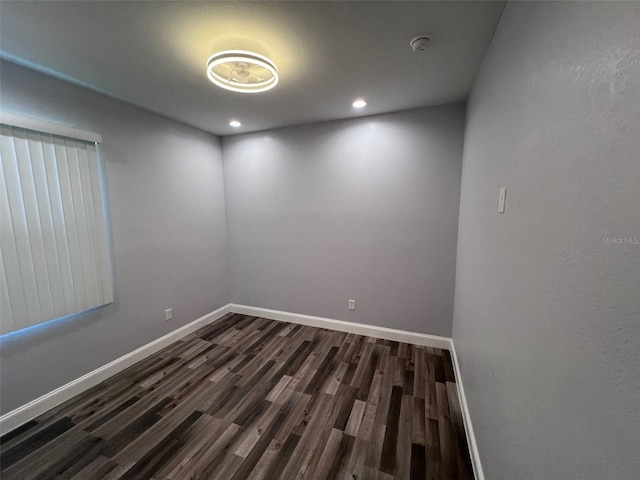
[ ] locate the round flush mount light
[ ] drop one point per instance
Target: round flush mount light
(359, 103)
(242, 71)
(235, 123)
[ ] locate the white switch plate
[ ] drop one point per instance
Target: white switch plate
(352, 304)
(502, 200)
(168, 314)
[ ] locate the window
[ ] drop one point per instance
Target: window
(53, 241)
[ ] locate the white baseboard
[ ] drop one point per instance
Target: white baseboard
(342, 326)
(468, 427)
(29, 411)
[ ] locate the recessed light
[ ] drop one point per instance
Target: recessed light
(241, 71)
(359, 103)
(235, 123)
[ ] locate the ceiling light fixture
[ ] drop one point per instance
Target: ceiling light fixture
(359, 103)
(235, 123)
(241, 71)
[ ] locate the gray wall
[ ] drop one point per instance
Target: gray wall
(166, 201)
(365, 209)
(547, 315)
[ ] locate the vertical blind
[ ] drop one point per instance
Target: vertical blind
(53, 240)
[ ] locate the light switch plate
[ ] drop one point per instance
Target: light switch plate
(502, 200)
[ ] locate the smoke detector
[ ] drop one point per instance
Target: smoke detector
(419, 43)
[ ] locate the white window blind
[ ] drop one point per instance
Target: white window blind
(53, 241)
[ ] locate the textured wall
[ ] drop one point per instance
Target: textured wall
(166, 202)
(547, 314)
(365, 209)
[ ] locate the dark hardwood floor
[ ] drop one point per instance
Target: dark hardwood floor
(250, 398)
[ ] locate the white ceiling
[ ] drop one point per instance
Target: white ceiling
(153, 54)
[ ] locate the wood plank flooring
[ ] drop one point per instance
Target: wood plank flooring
(251, 398)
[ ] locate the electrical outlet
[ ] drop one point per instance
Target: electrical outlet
(168, 314)
(352, 304)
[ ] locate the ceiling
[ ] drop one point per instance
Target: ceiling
(153, 54)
